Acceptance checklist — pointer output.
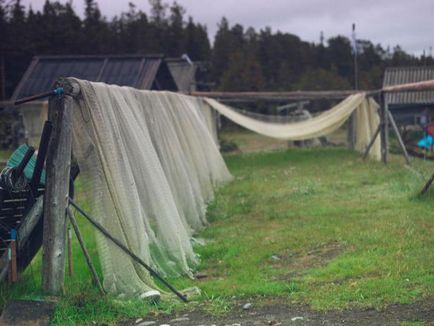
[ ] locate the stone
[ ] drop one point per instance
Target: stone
(152, 296)
(275, 258)
(180, 319)
(297, 318)
(247, 306)
(147, 323)
(139, 320)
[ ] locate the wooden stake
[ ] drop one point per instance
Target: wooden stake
(85, 252)
(56, 194)
(13, 257)
(70, 263)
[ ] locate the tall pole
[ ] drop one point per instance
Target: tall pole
(352, 122)
(354, 48)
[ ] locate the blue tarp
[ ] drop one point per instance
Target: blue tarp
(426, 142)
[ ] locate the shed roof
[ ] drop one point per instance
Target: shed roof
(403, 75)
(139, 71)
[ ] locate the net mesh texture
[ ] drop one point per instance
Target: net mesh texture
(149, 164)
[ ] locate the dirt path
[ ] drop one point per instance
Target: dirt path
(281, 314)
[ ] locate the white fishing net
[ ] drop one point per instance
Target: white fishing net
(149, 165)
(367, 120)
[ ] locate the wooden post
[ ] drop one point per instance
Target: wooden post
(351, 136)
(386, 132)
(70, 263)
(383, 133)
(58, 167)
(13, 257)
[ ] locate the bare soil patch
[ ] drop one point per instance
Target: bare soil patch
(280, 313)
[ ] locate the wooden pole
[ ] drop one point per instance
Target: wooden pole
(427, 185)
(371, 142)
(13, 276)
(398, 135)
(125, 249)
(386, 131)
(352, 121)
(85, 252)
(70, 262)
(383, 118)
(58, 167)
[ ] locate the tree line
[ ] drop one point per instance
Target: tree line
(239, 59)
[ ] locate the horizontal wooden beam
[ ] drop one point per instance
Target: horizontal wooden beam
(309, 95)
(275, 96)
(418, 86)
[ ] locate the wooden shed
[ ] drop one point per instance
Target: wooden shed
(410, 107)
(138, 71)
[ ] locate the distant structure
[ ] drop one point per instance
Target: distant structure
(152, 72)
(410, 107)
(184, 73)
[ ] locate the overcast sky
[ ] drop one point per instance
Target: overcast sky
(409, 23)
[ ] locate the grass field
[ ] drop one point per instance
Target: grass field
(316, 226)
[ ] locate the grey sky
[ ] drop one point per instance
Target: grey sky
(409, 23)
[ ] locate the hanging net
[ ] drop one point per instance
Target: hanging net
(149, 164)
(367, 121)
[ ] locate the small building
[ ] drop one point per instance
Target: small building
(410, 107)
(139, 71)
(184, 73)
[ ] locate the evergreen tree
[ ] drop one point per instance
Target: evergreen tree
(240, 59)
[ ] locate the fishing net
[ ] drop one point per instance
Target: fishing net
(366, 116)
(149, 165)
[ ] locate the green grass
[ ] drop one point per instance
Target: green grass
(82, 304)
(345, 233)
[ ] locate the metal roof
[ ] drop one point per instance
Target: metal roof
(183, 73)
(139, 71)
(403, 75)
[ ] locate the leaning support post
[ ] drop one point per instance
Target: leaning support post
(124, 248)
(58, 167)
(85, 252)
(398, 135)
(371, 142)
(427, 185)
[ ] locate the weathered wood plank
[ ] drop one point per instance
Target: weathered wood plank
(24, 232)
(58, 167)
